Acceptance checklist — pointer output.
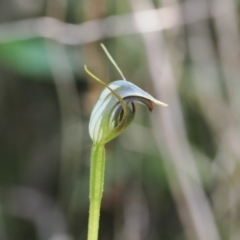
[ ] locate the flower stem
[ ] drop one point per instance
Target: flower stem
(96, 189)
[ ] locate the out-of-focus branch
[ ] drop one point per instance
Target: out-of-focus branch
(184, 178)
(69, 105)
(228, 156)
(113, 26)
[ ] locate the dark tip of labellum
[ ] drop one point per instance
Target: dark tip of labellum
(144, 101)
(133, 110)
(119, 110)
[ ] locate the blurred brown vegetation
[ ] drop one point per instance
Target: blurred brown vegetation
(174, 174)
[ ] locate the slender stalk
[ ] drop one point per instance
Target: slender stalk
(96, 189)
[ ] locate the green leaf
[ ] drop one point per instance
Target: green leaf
(29, 57)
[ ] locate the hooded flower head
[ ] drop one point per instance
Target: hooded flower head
(115, 110)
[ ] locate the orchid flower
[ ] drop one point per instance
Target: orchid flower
(112, 114)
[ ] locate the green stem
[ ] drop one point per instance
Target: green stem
(96, 189)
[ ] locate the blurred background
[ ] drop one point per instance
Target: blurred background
(174, 174)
